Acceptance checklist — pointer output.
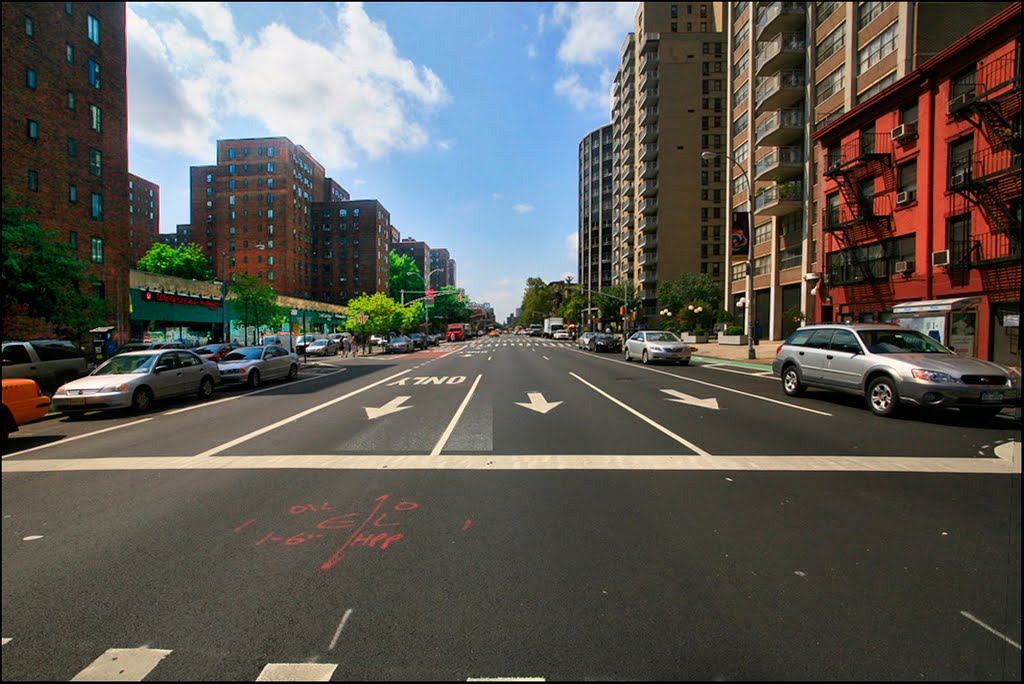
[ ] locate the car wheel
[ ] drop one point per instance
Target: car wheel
(254, 379)
(293, 372)
(9, 425)
(883, 399)
(683, 362)
(791, 383)
(643, 357)
(142, 400)
(625, 354)
(206, 387)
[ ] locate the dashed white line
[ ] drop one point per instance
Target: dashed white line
(341, 626)
(984, 626)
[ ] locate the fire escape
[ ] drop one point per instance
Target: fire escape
(860, 220)
(991, 181)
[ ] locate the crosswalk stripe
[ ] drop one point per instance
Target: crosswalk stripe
(122, 665)
(297, 672)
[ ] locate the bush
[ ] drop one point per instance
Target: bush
(734, 330)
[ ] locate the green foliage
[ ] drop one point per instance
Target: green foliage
(404, 276)
(796, 315)
(383, 314)
(448, 309)
(574, 303)
(538, 301)
(412, 317)
(687, 288)
(43, 279)
(734, 330)
(610, 300)
(186, 261)
(255, 303)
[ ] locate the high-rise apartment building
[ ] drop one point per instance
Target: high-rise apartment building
(143, 215)
(452, 280)
(352, 241)
(668, 106)
(418, 251)
(793, 68)
(65, 137)
(596, 196)
(438, 263)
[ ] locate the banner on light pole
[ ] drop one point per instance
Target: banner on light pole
(739, 235)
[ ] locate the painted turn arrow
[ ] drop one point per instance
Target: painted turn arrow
(681, 398)
(393, 406)
(538, 403)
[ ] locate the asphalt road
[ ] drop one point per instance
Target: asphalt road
(512, 508)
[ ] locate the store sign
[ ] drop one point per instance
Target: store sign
(188, 300)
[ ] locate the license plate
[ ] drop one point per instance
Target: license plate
(991, 396)
(78, 401)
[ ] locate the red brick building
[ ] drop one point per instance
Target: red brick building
(143, 215)
(919, 217)
(65, 137)
(352, 243)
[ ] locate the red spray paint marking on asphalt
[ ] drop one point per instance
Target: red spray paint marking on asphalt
(248, 522)
(340, 553)
(466, 526)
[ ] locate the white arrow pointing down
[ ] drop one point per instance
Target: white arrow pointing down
(538, 403)
(681, 398)
(393, 406)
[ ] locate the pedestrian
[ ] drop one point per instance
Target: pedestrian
(354, 345)
(757, 331)
(346, 346)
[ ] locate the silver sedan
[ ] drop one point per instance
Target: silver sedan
(253, 365)
(657, 345)
(133, 380)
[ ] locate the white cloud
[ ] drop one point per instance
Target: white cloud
(531, 51)
(523, 208)
(583, 98)
(572, 244)
(353, 95)
(496, 195)
(595, 28)
(445, 144)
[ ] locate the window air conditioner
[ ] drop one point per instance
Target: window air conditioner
(905, 197)
(906, 130)
(940, 258)
(959, 180)
(958, 102)
(904, 267)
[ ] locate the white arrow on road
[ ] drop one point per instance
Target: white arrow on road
(393, 406)
(681, 398)
(538, 403)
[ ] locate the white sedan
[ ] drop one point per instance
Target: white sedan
(560, 335)
(252, 365)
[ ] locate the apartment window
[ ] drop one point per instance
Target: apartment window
(32, 129)
(878, 49)
(270, 153)
(868, 11)
(96, 210)
(960, 154)
(907, 181)
(97, 250)
(741, 36)
(95, 118)
(878, 87)
(675, 11)
(739, 184)
(908, 113)
(832, 43)
(741, 153)
(835, 156)
(30, 27)
(94, 74)
(740, 94)
(741, 65)
(73, 194)
(703, 27)
(232, 153)
(831, 84)
(96, 163)
(30, 78)
(963, 83)
(33, 181)
(94, 29)
(69, 8)
(762, 233)
(674, 26)
(867, 139)
(71, 100)
(73, 239)
(958, 238)
(825, 10)
(69, 54)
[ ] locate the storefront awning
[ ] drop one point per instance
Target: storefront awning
(102, 329)
(936, 305)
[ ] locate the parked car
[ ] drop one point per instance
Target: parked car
(215, 352)
(327, 347)
(253, 366)
(604, 342)
(418, 340)
(399, 344)
(891, 366)
(305, 340)
(583, 341)
(134, 380)
(23, 402)
(50, 363)
(657, 345)
(560, 335)
(144, 346)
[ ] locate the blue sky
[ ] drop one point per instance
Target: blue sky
(463, 119)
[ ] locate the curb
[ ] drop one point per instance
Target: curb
(733, 362)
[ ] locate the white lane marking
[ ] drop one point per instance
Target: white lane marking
(545, 358)
(341, 626)
(489, 358)
(681, 398)
(505, 679)
(77, 437)
(268, 388)
(393, 406)
(538, 403)
(297, 416)
(6, 640)
(32, 537)
(492, 461)
(1008, 451)
(983, 625)
(656, 425)
(455, 419)
(722, 387)
(297, 672)
(122, 665)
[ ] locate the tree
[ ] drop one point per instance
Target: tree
(448, 308)
(383, 314)
(404, 276)
(574, 303)
(609, 302)
(187, 261)
(538, 301)
(689, 288)
(257, 303)
(42, 278)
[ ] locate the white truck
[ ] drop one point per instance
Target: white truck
(552, 325)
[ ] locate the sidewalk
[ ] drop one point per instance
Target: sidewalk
(765, 351)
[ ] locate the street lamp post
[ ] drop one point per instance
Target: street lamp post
(224, 286)
(749, 308)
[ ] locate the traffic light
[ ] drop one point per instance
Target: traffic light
(622, 310)
(460, 296)
(430, 292)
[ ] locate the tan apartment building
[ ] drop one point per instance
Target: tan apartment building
(143, 215)
(668, 105)
(794, 67)
(596, 195)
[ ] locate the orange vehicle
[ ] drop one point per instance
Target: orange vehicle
(457, 332)
(23, 402)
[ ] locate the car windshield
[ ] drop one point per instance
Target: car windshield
(124, 364)
(662, 337)
(244, 354)
(901, 342)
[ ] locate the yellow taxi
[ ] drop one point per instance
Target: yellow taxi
(493, 333)
(23, 402)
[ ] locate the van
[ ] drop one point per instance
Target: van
(284, 339)
(304, 341)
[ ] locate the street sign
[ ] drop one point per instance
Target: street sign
(362, 318)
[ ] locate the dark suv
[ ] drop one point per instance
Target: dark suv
(891, 365)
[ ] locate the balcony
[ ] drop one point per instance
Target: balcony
(649, 97)
(649, 116)
(647, 259)
(648, 241)
(627, 171)
(648, 276)
(627, 141)
(648, 293)
(649, 170)
(782, 127)
(648, 224)
(780, 199)
(649, 134)
(649, 62)
(648, 188)
(780, 90)
(627, 221)
(648, 153)
(781, 164)
(648, 80)
(649, 205)
(780, 16)
(784, 51)
(627, 190)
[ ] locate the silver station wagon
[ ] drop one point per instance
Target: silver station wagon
(890, 365)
